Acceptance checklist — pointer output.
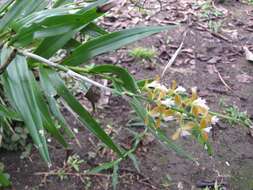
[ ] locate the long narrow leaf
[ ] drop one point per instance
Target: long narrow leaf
(5, 6)
(110, 42)
(21, 95)
(20, 8)
(127, 80)
(51, 44)
(61, 2)
(115, 176)
(50, 94)
(83, 114)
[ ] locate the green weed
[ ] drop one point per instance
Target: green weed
(143, 53)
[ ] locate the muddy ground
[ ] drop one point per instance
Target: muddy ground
(210, 55)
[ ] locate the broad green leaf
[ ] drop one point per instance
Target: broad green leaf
(47, 120)
(17, 82)
(128, 81)
(50, 93)
(13, 13)
(4, 181)
(50, 45)
(5, 6)
(34, 6)
(83, 115)
(110, 42)
(142, 113)
(41, 16)
(93, 30)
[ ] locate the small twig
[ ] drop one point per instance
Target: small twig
(174, 56)
(222, 80)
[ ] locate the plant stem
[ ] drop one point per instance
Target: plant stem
(69, 72)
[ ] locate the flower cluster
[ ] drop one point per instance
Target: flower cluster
(190, 111)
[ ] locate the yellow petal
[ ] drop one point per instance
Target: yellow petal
(168, 112)
(161, 95)
(174, 85)
(194, 94)
(203, 111)
(203, 123)
(195, 111)
(158, 123)
(176, 135)
(178, 100)
(155, 110)
(146, 120)
(188, 126)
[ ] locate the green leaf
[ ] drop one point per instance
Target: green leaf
(13, 13)
(135, 162)
(18, 86)
(61, 2)
(102, 167)
(51, 44)
(50, 93)
(110, 42)
(142, 113)
(47, 120)
(128, 81)
(83, 115)
(115, 176)
(4, 181)
(93, 30)
(5, 6)
(6, 112)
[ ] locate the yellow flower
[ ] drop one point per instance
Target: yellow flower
(199, 107)
(194, 93)
(158, 86)
(183, 131)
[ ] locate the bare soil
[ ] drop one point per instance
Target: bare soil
(205, 56)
